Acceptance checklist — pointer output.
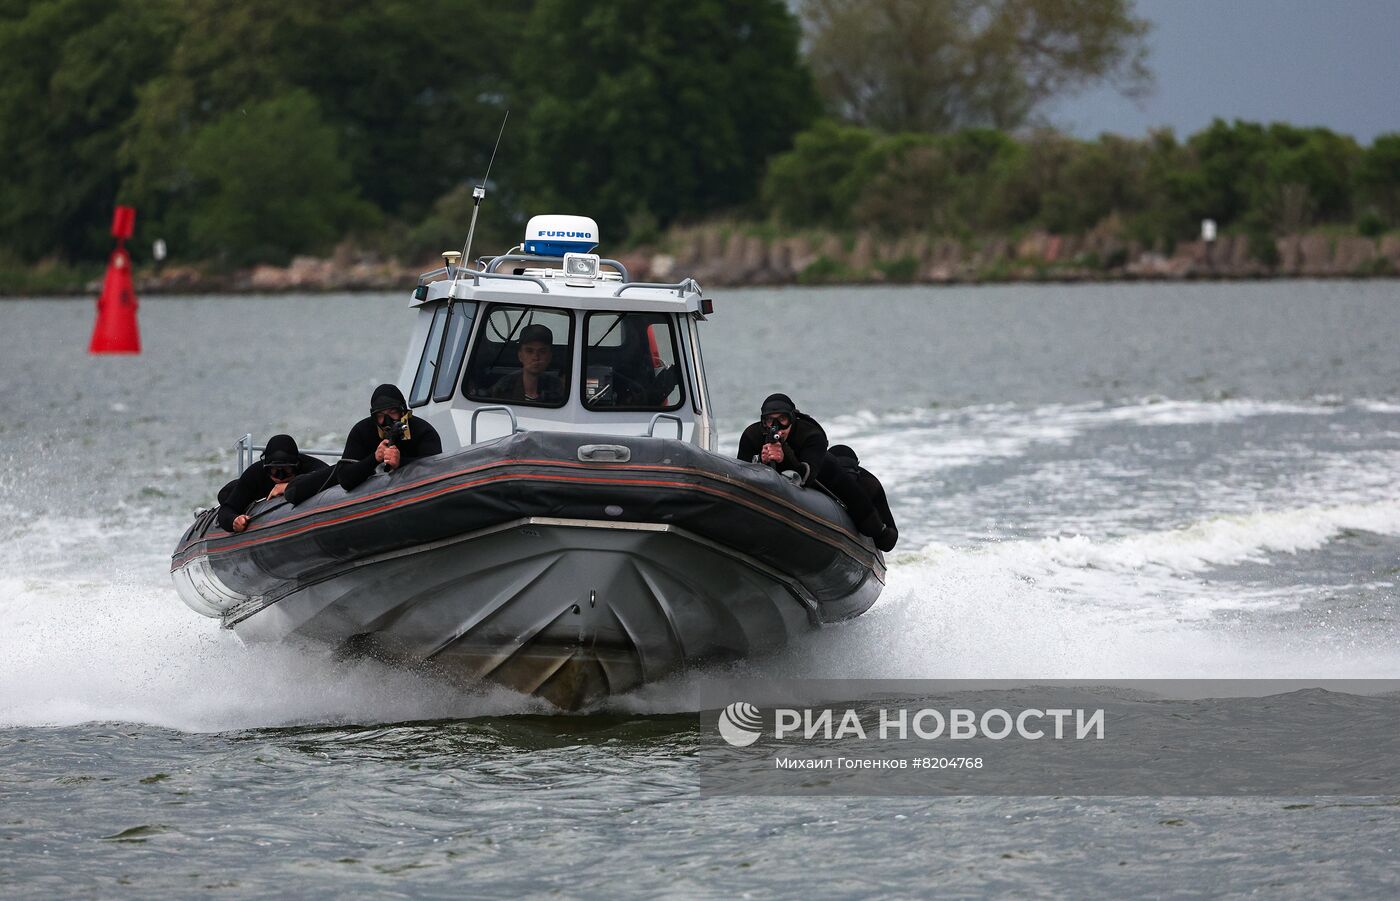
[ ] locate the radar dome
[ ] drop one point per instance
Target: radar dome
(556, 235)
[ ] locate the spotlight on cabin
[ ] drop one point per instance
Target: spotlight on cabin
(580, 269)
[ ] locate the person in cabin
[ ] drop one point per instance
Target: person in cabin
(792, 441)
(846, 458)
(533, 382)
(281, 467)
(390, 435)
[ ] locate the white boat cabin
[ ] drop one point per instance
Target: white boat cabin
(552, 337)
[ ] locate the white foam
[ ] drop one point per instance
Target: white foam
(1191, 549)
(915, 444)
(1138, 607)
(90, 628)
(93, 631)
(1076, 609)
(118, 646)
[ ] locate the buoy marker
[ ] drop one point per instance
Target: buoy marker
(116, 331)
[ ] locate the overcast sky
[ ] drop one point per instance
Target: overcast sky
(1334, 63)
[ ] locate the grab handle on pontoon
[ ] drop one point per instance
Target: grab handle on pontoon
(514, 427)
(680, 426)
(604, 453)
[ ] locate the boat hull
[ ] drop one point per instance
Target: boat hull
(618, 574)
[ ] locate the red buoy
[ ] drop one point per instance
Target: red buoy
(116, 331)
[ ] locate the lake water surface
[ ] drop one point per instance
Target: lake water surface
(1092, 482)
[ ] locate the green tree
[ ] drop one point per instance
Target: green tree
(416, 89)
(806, 185)
(1273, 179)
(654, 109)
(936, 183)
(69, 75)
(938, 65)
(410, 126)
(228, 58)
(1229, 167)
(1163, 219)
(271, 183)
(1307, 177)
(1378, 179)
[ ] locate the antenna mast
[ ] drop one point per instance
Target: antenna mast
(478, 195)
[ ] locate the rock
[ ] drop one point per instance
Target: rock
(269, 278)
(778, 264)
(175, 279)
(638, 264)
(1390, 249)
(752, 260)
(1149, 265)
(800, 255)
(1354, 256)
(1193, 251)
(711, 245)
(1240, 262)
(1032, 246)
(1290, 254)
(662, 266)
(994, 251)
(1218, 253)
(733, 257)
(1316, 251)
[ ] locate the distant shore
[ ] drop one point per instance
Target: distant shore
(736, 255)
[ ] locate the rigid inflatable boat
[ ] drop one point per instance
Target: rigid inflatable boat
(571, 545)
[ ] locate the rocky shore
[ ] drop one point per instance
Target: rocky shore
(736, 258)
(730, 255)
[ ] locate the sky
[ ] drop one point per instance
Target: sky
(1333, 63)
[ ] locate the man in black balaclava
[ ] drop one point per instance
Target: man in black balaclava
(788, 439)
(391, 435)
(281, 465)
(847, 460)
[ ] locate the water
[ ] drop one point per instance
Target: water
(1092, 482)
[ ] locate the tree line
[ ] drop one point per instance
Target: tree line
(1258, 180)
(251, 130)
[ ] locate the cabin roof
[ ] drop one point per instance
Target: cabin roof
(682, 297)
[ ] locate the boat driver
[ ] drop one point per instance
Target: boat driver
(391, 435)
(792, 441)
(533, 383)
(281, 465)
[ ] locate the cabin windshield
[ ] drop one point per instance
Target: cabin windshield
(629, 362)
(437, 378)
(522, 356)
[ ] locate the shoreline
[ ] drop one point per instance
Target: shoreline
(734, 255)
(214, 290)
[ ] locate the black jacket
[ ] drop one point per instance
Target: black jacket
(357, 461)
(253, 485)
(512, 388)
(870, 485)
(806, 443)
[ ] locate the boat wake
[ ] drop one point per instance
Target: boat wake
(1260, 582)
(116, 645)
